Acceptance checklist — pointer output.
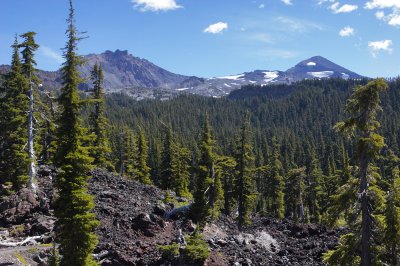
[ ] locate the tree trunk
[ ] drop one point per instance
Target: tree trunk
(366, 222)
(212, 193)
(31, 149)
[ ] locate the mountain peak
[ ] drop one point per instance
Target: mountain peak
(320, 67)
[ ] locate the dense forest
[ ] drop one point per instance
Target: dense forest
(316, 151)
(301, 116)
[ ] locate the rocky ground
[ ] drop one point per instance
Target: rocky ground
(134, 226)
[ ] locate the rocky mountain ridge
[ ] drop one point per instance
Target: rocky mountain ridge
(142, 79)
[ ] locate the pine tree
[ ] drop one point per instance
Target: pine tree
(174, 166)
(227, 167)
(314, 190)
(180, 171)
(130, 150)
(245, 167)
(101, 148)
(142, 173)
(362, 124)
(28, 69)
(75, 221)
(205, 194)
(15, 161)
(276, 184)
(295, 194)
(166, 160)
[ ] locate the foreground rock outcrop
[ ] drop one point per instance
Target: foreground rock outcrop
(134, 225)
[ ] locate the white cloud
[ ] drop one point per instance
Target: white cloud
(347, 32)
(381, 4)
(261, 6)
(155, 5)
(393, 18)
(216, 28)
(287, 2)
(376, 47)
(346, 8)
(50, 53)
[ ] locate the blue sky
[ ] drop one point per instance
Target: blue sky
(216, 37)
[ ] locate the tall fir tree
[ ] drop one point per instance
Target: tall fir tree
(276, 184)
(180, 171)
(15, 160)
(131, 150)
(314, 190)
(101, 148)
(29, 47)
(227, 167)
(295, 194)
(362, 124)
(203, 197)
(245, 192)
(166, 159)
(75, 221)
(142, 170)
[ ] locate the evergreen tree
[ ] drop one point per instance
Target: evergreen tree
(180, 171)
(204, 197)
(314, 190)
(130, 150)
(28, 69)
(245, 168)
(142, 173)
(15, 161)
(276, 184)
(166, 160)
(75, 221)
(362, 107)
(101, 148)
(227, 167)
(295, 194)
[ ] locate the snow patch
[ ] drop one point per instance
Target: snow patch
(270, 76)
(233, 77)
(311, 64)
(182, 89)
(252, 81)
(227, 85)
(345, 76)
(321, 74)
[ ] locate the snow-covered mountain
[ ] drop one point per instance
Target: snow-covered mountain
(316, 67)
(140, 78)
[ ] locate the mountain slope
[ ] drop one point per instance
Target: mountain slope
(142, 79)
(121, 69)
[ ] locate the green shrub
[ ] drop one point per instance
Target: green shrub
(170, 252)
(196, 249)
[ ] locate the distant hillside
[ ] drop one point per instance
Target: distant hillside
(142, 79)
